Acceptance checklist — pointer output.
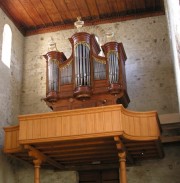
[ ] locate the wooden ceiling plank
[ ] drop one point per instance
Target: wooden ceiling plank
(140, 5)
(83, 153)
(139, 144)
(131, 7)
(33, 13)
(121, 5)
(113, 7)
(62, 8)
(79, 152)
(140, 148)
(90, 160)
(69, 148)
(20, 8)
(145, 152)
(42, 12)
(52, 11)
(140, 156)
(88, 148)
(150, 5)
(14, 19)
(88, 156)
(104, 10)
(83, 9)
(15, 7)
(92, 6)
(73, 9)
(86, 142)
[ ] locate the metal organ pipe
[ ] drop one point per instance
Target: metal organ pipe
(113, 67)
(82, 65)
(53, 72)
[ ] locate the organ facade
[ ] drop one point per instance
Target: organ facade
(86, 79)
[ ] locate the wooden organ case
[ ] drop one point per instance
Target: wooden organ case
(86, 79)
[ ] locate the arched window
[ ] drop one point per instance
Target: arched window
(6, 45)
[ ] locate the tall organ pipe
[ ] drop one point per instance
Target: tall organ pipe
(82, 63)
(53, 59)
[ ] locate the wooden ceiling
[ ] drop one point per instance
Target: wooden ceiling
(93, 153)
(40, 16)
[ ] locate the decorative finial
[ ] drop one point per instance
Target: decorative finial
(109, 36)
(52, 45)
(79, 23)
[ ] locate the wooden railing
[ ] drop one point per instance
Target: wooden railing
(82, 123)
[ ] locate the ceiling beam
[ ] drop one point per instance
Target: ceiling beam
(39, 155)
(92, 22)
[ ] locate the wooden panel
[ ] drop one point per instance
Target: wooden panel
(52, 11)
(103, 8)
(72, 8)
(150, 4)
(12, 139)
(142, 124)
(131, 7)
(62, 8)
(122, 7)
(140, 5)
(83, 9)
(17, 17)
(65, 124)
(113, 7)
(93, 8)
(42, 12)
(33, 13)
(99, 121)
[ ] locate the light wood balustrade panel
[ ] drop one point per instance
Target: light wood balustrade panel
(99, 121)
(88, 123)
(140, 124)
(11, 143)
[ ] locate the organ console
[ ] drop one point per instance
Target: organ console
(86, 79)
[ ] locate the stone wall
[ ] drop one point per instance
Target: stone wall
(10, 87)
(25, 174)
(158, 171)
(150, 76)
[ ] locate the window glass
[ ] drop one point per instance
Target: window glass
(6, 45)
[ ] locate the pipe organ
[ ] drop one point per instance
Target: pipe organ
(86, 79)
